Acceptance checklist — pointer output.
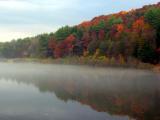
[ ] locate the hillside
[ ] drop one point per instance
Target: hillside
(120, 36)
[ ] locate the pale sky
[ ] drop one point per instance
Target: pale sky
(23, 18)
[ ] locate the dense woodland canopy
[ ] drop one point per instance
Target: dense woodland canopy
(135, 34)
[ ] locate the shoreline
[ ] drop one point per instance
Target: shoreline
(86, 62)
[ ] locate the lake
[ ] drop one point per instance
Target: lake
(65, 92)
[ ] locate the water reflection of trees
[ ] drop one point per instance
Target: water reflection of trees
(141, 104)
(136, 97)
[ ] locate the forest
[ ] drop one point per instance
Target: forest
(121, 36)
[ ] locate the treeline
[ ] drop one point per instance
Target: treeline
(123, 35)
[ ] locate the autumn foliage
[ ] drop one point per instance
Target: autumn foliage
(128, 34)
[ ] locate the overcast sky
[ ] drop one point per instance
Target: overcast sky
(22, 18)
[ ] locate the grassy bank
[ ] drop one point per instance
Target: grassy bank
(91, 61)
(157, 68)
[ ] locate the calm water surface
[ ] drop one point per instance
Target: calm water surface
(62, 92)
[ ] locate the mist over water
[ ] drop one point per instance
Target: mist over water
(64, 92)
